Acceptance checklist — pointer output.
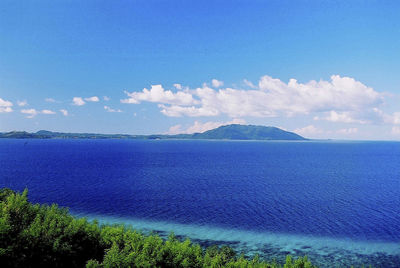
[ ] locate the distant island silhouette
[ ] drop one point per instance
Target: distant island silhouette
(227, 132)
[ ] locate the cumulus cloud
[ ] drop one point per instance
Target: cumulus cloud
(342, 98)
(5, 109)
(339, 94)
(64, 112)
(30, 112)
(199, 127)
(22, 103)
(110, 110)
(78, 101)
(47, 112)
(159, 95)
(5, 106)
(178, 86)
(217, 83)
(106, 98)
(33, 112)
(92, 99)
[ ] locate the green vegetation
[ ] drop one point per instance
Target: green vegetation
(247, 132)
(33, 235)
(20, 135)
(229, 132)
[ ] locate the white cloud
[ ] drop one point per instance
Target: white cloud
(341, 117)
(5, 106)
(249, 83)
(232, 102)
(178, 86)
(5, 109)
(106, 98)
(78, 101)
(393, 119)
(308, 130)
(108, 109)
(178, 111)
(199, 127)
(347, 131)
(235, 102)
(339, 94)
(177, 129)
(159, 95)
(345, 96)
(64, 112)
(47, 112)
(313, 131)
(30, 112)
(93, 99)
(50, 100)
(396, 130)
(22, 103)
(217, 83)
(33, 112)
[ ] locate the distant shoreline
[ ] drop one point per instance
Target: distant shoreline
(229, 132)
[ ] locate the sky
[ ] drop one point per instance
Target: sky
(323, 69)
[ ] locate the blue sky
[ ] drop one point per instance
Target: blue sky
(325, 69)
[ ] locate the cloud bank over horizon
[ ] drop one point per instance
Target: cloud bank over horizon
(341, 100)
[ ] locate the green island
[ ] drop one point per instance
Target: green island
(33, 235)
(227, 132)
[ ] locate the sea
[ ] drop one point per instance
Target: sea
(338, 202)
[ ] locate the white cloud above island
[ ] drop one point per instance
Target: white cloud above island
(5, 106)
(341, 99)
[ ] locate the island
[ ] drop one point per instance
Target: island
(227, 132)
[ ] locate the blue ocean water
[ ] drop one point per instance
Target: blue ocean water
(337, 202)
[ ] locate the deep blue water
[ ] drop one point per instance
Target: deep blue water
(324, 199)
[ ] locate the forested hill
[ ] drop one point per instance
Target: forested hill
(247, 132)
(228, 132)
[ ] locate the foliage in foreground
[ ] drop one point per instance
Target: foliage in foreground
(48, 236)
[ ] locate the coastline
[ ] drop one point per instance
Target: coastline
(322, 251)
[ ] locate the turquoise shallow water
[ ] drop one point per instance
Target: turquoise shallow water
(338, 202)
(323, 251)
